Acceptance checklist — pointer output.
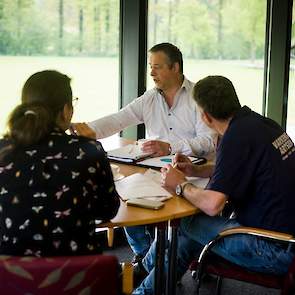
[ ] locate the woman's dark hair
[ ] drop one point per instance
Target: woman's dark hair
(172, 52)
(43, 97)
(216, 95)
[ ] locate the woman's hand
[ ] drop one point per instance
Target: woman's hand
(82, 129)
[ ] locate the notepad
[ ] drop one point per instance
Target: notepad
(128, 153)
(140, 186)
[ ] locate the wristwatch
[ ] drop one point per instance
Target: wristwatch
(180, 188)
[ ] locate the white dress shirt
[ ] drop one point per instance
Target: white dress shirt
(181, 125)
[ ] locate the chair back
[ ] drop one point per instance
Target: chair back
(92, 274)
(289, 282)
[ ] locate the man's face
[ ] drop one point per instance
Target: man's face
(162, 73)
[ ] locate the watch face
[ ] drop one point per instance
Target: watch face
(178, 190)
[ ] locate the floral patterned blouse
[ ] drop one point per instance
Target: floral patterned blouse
(51, 193)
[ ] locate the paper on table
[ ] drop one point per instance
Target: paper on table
(138, 186)
(156, 177)
(198, 181)
(160, 162)
(127, 153)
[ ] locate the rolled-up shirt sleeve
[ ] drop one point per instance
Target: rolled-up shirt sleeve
(180, 125)
(130, 115)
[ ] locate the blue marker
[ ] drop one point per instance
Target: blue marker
(166, 160)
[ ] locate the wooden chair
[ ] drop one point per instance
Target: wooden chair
(212, 264)
(92, 274)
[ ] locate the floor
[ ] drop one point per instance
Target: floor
(229, 287)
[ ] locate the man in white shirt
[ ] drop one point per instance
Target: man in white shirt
(171, 118)
(168, 111)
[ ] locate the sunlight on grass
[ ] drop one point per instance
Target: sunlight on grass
(95, 82)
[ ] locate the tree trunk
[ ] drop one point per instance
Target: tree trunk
(97, 30)
(81, 29)
(155, 23)
(169, 20)
(61, 27)
(19, 19)
(220, 29)
(107, 28)
(1, 9)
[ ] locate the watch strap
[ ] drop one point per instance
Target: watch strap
(183, 185)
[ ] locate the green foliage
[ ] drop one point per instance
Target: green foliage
(32, 27)
(210, 29)
(227, 29)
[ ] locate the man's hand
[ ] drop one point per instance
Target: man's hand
(171, 177)
(156, 148)
(82, 129)
(184, 164)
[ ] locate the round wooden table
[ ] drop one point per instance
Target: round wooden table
(174, 208)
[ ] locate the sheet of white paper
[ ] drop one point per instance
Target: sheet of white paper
(198, 181)
(130, 151)
(154, 175)
(138, 186)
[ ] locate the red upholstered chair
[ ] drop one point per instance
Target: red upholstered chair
(93, 274)
(212, 264)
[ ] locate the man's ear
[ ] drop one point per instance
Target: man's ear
(176, 67)
(208, 117)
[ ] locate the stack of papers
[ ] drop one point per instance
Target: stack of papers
(148, 186)
(140, 186)
(128, 153)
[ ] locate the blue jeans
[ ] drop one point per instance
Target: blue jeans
(254, 253)
(139, 239)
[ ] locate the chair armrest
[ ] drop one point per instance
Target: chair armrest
(127, 277)
(258, 232)
(276, 236)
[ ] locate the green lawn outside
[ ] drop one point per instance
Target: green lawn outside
(95, 82)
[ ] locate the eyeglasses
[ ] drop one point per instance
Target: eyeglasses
(75, 101)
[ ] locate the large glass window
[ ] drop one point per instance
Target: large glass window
(78, 38)
(216, 37)
(291, 96)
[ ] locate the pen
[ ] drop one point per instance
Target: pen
(166, 160)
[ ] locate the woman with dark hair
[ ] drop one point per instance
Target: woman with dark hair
(53, 186)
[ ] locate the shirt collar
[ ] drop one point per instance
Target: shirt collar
(185, 85)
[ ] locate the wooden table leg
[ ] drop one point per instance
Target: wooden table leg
(110, 236)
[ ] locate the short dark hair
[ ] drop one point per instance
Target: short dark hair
(172, 52)
(216, 95)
